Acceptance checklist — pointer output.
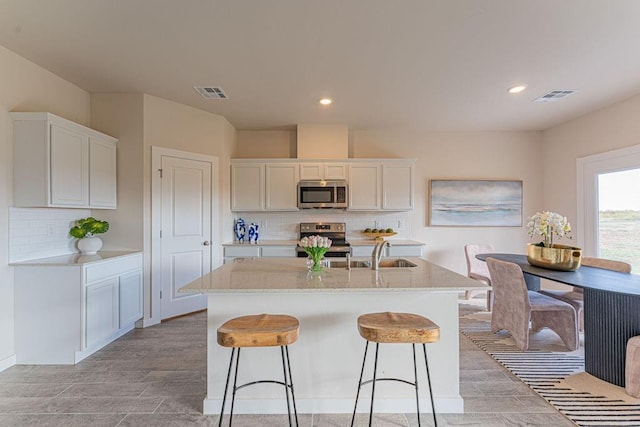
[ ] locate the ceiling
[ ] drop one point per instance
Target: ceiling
(421, 64)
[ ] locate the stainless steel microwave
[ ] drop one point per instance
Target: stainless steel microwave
(322, 194)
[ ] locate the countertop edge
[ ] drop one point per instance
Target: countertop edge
(355, 242)
(74, 259)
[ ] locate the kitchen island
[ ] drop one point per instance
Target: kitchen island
(327, 357)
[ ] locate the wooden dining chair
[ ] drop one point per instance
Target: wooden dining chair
(575, 296)
(515, 307)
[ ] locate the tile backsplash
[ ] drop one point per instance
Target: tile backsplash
(40, 232)
(285, 225)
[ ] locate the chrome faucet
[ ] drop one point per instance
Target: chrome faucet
(376, 255)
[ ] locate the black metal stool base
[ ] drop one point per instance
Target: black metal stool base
(287, 383)
(374, 380)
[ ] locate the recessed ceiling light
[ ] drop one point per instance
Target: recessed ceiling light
(517, 88)
(326, 101)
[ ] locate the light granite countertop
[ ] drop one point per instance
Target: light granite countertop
(259, 275)
(392, 242)
(354, 242)
(75, 259)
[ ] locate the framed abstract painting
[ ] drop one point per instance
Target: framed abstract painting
(475, 203)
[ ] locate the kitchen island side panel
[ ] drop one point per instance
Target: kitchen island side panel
(327, 358)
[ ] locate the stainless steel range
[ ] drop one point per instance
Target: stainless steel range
(336, 231)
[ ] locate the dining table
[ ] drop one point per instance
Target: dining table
(611, 311)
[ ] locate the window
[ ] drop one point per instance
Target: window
(609, 205)
(619, 216)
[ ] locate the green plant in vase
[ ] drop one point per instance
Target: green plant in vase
(86, 229)
(315, 247)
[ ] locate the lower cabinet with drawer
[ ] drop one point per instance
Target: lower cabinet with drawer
(64, 313)
(257, 251)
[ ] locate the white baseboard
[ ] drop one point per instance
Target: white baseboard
(145, 323)
(8, 362)
(448, 405)
(81, 355)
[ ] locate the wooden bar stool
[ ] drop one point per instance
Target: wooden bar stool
(384, 328)
(262, 330)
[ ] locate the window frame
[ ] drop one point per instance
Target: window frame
(588, 169)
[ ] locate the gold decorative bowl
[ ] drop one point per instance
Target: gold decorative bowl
(558, 257)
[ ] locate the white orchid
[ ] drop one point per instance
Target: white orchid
(547, 224)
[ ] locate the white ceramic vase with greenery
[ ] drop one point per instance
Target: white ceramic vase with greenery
(86, 229)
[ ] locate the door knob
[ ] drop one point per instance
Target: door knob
(206, 243)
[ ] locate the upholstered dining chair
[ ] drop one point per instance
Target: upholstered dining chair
(514, 307)
(575, 296)
(477, 269)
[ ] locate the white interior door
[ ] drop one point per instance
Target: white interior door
(185, 232)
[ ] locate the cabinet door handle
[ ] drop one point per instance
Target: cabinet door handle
(206, 243)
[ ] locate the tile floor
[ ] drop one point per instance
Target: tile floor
(156, 377)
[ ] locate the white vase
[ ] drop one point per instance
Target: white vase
(90, 245)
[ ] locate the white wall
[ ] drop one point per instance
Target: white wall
(141, 121)
(168, 124)
(25, 86)
(461, 155)
(604, 130)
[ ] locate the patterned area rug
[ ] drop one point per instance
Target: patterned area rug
(553, 372)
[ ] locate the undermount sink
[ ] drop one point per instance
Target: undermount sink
(398, 263)
(384, 263)
(343, 264)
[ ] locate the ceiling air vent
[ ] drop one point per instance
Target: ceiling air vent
(211, 92)
(554, 95)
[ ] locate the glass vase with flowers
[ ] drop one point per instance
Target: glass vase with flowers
(315, 247)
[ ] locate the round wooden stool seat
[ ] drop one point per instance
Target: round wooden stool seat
(390, 327)
(261, 330)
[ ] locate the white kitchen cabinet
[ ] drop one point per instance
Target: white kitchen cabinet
(397, 186)
(364, 186)
(260, 186)
(69, 154)
(323, 170)
(70, 306)
(386, 185)
(257, 251)
(281, 182)
(278, 251)
(129, 298)
(247, 187)
(102, 174)
(59, 163)
(271, 185)
(102, 318)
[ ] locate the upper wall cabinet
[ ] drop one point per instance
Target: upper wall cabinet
(59, 163)
(364, 186)
(322, 170)
(385, 185)
(264, 186)
(271, 185)
(281, 187)
(247, 187)
(397, 186)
